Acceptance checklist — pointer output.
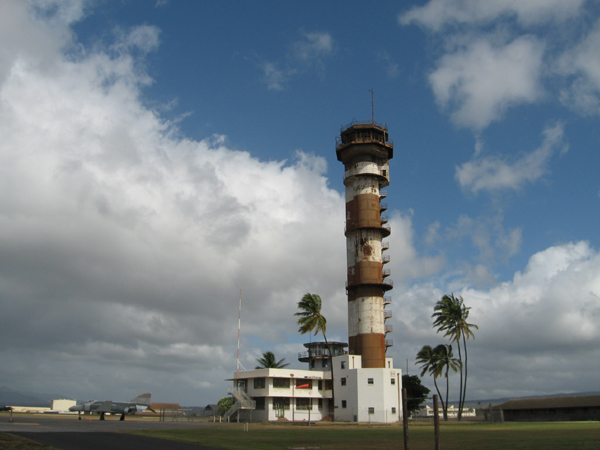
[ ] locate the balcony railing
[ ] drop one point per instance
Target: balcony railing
(389, 342)
(385, 245)
(320, 353)
(387, 314)
(383, 206)
(384, 219)
(387, 300)
(385, 259)
(382, 194)
(389, 328)
(386, 273)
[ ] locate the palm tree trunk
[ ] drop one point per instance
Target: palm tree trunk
(447, 392)
(460, 393)
(440, 397)
(332, 381)
(464, 392)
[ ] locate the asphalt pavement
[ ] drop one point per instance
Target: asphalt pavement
(68, 433)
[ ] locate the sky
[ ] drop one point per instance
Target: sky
(158, 158)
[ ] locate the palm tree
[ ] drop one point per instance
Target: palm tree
(312, 319)
(446, 361)
(268, 361)
(451, 316)
(438, 361)
(428, 359)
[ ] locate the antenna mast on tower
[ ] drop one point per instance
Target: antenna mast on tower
(239, 332)
(372, 105)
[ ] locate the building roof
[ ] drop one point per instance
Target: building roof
(575, 401)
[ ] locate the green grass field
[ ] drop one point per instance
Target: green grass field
(459, 436)
(454, 436)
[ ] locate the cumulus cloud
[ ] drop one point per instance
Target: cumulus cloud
(494, 174)
(583, 63)
(501, 53)
(123, 247)
(437, 13)
(308, 52)
(540, 321)
(478, 82)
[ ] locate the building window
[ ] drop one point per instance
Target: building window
(324, 364)
(343, 381)
(260, 403)
(320, 403)
(320, 385)
(328, 385)
(371, 410)
(280, 403)
(343, 403)
(370, 381)
(302, 383)
(393, 410)
(281, 383)
(343, 364)
(259, 383)
(303, 404)
(393, 380)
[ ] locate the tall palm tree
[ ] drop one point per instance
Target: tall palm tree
(428, 359)
(268, 361)
(312, 319)
(451, 316)
(446, 361)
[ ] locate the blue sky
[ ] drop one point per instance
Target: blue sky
(157, 157)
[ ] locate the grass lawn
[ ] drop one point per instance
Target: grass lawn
(459, 436)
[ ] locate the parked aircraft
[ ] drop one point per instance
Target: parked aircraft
(138, 404)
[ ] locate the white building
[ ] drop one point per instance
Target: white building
(62, 404)
(427, 411)
(361, 395)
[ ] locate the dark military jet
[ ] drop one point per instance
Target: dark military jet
(138, 404)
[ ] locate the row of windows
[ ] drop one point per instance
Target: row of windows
(284, 403)
(284, 383)
(371, 409)
(369, 381)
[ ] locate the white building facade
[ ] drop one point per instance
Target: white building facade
(361, 395)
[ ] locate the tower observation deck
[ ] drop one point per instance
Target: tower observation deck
(365, 150)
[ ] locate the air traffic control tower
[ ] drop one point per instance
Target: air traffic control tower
(365, 150)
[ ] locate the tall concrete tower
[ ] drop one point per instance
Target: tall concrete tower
(365, 150)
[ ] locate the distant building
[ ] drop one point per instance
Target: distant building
(547, 409)
(427, 411)
(62, 404)
(210, 410)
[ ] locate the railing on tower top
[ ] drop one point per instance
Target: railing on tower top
(363, 122)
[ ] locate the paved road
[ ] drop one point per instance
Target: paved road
(105, 440)
(68, 433)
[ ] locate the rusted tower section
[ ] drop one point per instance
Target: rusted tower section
(365, 150)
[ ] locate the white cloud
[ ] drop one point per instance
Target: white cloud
(122, 244)
(494, 174)
(479, 82)
(546, 319)
(313, 47)
(583, 63)
(304, 54)
(437, 13)
(391, 67)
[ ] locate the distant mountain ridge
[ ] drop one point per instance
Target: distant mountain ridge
(15, 398)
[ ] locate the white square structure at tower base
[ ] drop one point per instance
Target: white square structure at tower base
(366, 395)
